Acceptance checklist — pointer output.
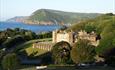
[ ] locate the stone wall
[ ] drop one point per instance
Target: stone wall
(43, 45)
(89, 36)
(62, 36)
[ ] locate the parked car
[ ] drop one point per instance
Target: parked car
(41, 67)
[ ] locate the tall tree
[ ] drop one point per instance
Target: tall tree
(10, 62)
(82, 51)
(61, 53)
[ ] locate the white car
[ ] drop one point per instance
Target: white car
(41, 67)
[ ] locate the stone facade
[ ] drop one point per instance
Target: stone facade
(72, 37)
(60, 35)
(92, 37)
(43, 45)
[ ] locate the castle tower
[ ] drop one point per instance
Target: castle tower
(63, 36)
(71, 38)
(54, 34)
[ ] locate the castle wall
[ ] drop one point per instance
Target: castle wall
(43, 46)
(89, 36)
(54, 33)
(62, 36)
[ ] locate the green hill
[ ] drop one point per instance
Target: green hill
(104, 26)
(48, 16)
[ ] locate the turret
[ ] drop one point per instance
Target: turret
(54, 34)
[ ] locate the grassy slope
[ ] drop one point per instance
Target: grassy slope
(104, 26)
(28, 47)
(37, 51)
(99, 22)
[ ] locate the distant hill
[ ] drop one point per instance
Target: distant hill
(51, 17)
(17, 19)
(48, 16)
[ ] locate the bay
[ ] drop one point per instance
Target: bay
(34, 28)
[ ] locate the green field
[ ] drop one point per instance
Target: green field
(27, 46)
(30, 50)
(36, 51)
(29, 43)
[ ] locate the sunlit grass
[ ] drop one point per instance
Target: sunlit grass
(27, 46)
(34, 51)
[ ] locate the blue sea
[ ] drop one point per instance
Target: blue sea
(34, 28)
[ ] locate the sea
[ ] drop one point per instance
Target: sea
(35, 28)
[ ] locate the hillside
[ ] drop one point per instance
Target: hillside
(104, 26)
(17, 19)
(48, 16)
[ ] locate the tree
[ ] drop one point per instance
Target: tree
(106, 43)
(10, 62)
(11, 42)
(82, 51)
(89, 28)
(61, 53)
(30, 35)
(110, 14)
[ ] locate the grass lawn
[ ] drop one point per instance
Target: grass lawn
(27, 46)
(46, 39)
(35, 51)
(29, 43)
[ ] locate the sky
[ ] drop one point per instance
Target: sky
(12, 8)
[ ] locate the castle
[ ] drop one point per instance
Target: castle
(70, 37)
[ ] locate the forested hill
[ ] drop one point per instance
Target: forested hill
(48, 16)
(104, 26)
